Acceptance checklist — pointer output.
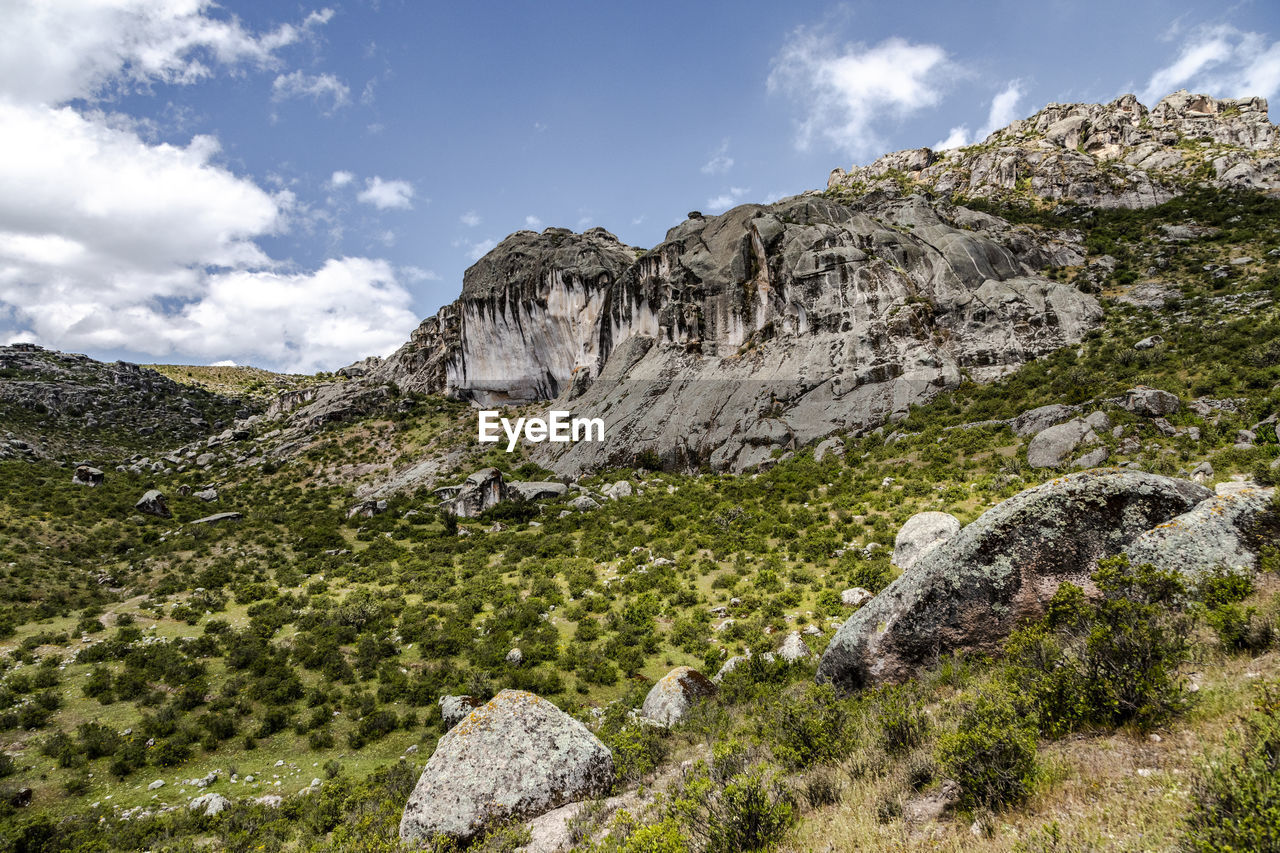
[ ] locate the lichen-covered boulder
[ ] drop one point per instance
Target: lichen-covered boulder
(970, 592)
(920, 534)
(1150, 402)
(87, 475)
(209, 804)
(1051, 447)
(1225, 531)
(670, 700)
(517, 757)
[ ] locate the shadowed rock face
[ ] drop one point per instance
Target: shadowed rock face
(1103, 155)
(970, 592)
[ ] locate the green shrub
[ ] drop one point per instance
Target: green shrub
(902, 722)
(1106, 663)
(810, 728)
(992, 751)
(751, 811)
(1235, 803)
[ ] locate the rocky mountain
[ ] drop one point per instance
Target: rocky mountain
(56, 404)
(746, 335)
(1103, 155)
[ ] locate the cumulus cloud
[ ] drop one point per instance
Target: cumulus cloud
(727, 199)
(532, 221)
(386, 195)
(110, 241)
(1223, 61)
(720, 162)
(846, 91)
(1003, 111)
(325, 89)
(54, 52)
(341, 178)
(470, 219)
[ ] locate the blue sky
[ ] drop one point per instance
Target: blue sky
(296, 185)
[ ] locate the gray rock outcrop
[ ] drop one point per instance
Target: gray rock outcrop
(86, 475)
(454, 709)
(672, 697)
(1102, 155)
(515, 758)
(920, 534)
(794, 649)
(209, 804)
(481, 490)
(1225, 531)
(971, 591)
(1051, 447)
(153, 502)
(1150, 402)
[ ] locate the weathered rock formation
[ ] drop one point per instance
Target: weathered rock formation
(971, 591)
(517, 757)
(1103, 155)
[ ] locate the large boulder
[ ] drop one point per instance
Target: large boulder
(1225, 531)
(209, 804)
(670, 700)
(152, 502)
(920, 534)
(517, 757)
(793, 648)
(970, 592)
(1040, 419)
(1051, 447)
(538, 490)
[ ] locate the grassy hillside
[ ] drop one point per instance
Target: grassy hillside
(137, 649)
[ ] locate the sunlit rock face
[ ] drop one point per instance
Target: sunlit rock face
(744, 335)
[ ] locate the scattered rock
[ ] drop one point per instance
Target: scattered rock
(1003, 568)
(218, 517)
(793, 648)
(538, 490)
(153, 503)
(206, 495)
(919, 535)
(481, 490)
(582, 503)
(454, 709)
(515, 656)
(671, 698)
(1051, 447)
(156, 785)
(618, 490)
(271, 801)
(515, 758)
(857, 596)
(209, 804)
(1149, 342)
(1038, 420)
(86, 475)
(1093, 459)
(834, 446)
(1150, 402)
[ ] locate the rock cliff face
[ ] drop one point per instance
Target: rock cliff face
(743, 336)
(1106, 155)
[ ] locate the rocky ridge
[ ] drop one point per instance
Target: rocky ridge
(1101, 155)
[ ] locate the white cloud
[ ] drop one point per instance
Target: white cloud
(226, 362)
(1003, 111)
(476, 251)
(846, 91)
(470, 219)
(341, 178)
(109, 241)
(720, 162)
(958, 137)
(387, 194)
(532, 221)
(417, 274)
(54, 52)
(727, 199)
(1222, 61)
(321, 88)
